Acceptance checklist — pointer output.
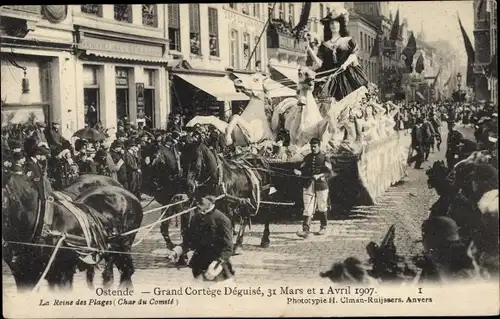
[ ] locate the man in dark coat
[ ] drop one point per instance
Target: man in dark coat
(318, 170)
(133, 168)
(453, 142)
(210, 237)
(417, 144)
(428, 134)
(36, 169)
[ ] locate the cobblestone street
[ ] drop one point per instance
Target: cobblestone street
(290, 258)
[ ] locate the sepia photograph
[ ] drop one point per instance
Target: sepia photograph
(250, 159)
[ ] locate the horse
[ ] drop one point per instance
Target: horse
(107, 211)
(301, 114)
(163, 180)
(241, 183)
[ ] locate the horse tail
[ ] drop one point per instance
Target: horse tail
(280, 109)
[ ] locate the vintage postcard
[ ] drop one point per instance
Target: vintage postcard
(288, 159)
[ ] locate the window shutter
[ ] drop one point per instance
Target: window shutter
(194, 18)
(212, 21)
(173, 16)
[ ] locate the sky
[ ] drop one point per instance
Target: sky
(439, 20)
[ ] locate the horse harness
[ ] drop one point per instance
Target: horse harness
(89, 224)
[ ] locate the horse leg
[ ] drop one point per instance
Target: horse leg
(237, 250)
(126, 267)
(107, 274)
(89, 276)
(265, 241)
(235, 120)
(166, 234)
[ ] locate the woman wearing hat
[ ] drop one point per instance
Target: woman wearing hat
(338, 51)
(210, 237)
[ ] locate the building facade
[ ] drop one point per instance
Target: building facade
(364, 32)
(37, 83)
(95, 63)
(212, 44)
(482, 47)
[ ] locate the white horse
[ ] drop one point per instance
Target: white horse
(301, 115)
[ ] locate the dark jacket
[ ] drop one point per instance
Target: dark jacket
(417, 139)
(210, 236)
(121, 172)
(132, 167)
(428, 132)
(316, 164)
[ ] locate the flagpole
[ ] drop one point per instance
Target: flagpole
(260, 36)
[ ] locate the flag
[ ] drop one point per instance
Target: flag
(447, 82)
(395, 28)
(303, 20)
(409, 51)
(419, 66)
(437, 76)
(376, 48)
(470, 56)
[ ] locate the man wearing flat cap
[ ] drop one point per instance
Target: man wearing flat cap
(132, 167)
(210, 237)
(316, 170)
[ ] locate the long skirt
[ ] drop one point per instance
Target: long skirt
(343, 83)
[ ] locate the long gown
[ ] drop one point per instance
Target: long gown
(334, 54)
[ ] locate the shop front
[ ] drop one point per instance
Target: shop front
(35, 83)
(204, 92)
(122, 79)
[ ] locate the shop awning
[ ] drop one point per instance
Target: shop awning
(275, 89)
(289, 73)
(129, 57)
(220, 87)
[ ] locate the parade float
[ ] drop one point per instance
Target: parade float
(368, 155)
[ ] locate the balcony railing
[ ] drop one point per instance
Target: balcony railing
(280, 36)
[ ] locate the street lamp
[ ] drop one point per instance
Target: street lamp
(459, 80)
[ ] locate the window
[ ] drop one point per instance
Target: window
(149, 99)
(91, 98)
(245, 8)
(213, 32)
(174, 27)
(281, 11)
(366, 42)
(194, 28)
(258, 54)
(291, 12)
(150, 15)
(361, 41)
(123, 12)
(95, 9)
(256, 10)
(122, 97)
(246, 48)
(321, 11)
(270, 11)
(234, 49)
(232, 6)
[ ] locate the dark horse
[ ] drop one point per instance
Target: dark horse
(164, 181)
(113, 209)
(208, 173)
(452, 201)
